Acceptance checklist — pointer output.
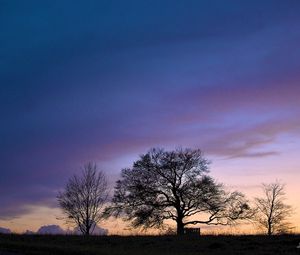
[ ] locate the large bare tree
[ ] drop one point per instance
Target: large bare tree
(271, 211)
(83, 198)
(173, 185)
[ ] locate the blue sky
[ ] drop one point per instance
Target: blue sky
(107, 80)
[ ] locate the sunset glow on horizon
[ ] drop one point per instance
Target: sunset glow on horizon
(105, 81)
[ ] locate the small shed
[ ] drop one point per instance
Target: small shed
(192, 231)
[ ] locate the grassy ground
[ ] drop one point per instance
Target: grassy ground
(154, 245)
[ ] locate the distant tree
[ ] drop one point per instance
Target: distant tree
(84, 197)
(173, 185)
(271, 211)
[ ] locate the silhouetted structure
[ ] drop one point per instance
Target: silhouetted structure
(192, 231)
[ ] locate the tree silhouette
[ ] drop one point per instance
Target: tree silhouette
(83, 198)
(271, 211)
(164, 185)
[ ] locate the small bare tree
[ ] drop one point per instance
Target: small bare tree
(271, 212)
(83, 198)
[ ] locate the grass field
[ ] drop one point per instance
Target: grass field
(154, 245)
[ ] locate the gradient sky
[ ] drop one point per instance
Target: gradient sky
(105, 81)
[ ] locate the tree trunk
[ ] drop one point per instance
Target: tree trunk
(87, 227)
(269, 228)
(180, 227)
(269, 231)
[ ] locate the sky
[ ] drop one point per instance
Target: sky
(105, 81)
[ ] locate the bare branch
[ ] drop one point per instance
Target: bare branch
(271, 212)
(83, 198)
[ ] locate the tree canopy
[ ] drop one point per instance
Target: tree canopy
(174, 185)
